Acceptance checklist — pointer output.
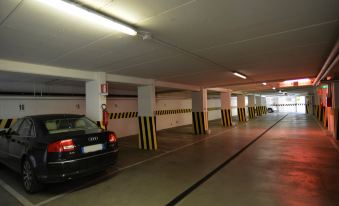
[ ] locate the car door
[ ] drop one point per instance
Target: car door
(19, 142)
(4, 142)
(3, 148)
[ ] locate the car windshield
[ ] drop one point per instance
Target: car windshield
(54, 126)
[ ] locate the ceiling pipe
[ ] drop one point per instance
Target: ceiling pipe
(327, 66)
(335, 61)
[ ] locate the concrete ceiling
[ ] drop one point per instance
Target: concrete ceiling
(194, 41)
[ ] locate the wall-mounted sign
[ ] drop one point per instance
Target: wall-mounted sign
(104, 89)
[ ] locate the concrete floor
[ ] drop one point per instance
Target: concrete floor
(294, 163)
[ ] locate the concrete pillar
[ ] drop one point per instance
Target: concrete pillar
(316, 103)
(226, 115)
(334, 121)
(309, 104)
(251, 106)
(146, 118)
(263, 105)
(258, 105)
(94, 98)
(241, 108)
(199, 112)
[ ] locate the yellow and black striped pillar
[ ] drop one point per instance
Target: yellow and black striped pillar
(325, 119)
(200, 122)
(257, 111)
(314, 109)
(147, 133)
(226, 117)
(242, 115)
(7, 123)
(101, 125)
(307, 108)
(251, 112)
(319, 112)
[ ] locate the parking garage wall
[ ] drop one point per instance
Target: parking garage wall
(19, 106)
(15, 107)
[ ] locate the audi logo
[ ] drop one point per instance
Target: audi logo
(91, 139)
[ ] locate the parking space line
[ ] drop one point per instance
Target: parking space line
(127, 167)
(26, 202)
(15, 194)
(189, 190)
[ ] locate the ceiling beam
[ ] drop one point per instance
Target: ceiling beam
(44, 70)
(219, 89)
(177, 86)
(128, 80)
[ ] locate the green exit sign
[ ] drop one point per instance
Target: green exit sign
(324, 86)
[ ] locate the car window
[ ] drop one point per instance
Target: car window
(26, 128)
(17, 125)
(54, 126)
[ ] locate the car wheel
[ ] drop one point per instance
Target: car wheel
(29, 180)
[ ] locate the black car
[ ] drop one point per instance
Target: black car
(56, 148)
(270, 110)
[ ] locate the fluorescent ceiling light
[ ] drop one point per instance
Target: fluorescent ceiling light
(239, 75)
(297, 80)
(89, 15)
(273, 88)
(264, 83)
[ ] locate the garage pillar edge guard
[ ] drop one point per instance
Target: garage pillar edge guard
(147, 133)
(199, 112)
(226, 117)
(241, 108)
(263, 105)
(308, 105)
(6, 123)
(226, 112)
(251, 112)
(258, 110)
(146, 118)
(251, 106)
(200, 122)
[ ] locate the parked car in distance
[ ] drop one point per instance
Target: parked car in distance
(56, 148)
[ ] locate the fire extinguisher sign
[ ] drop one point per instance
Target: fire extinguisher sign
(104, 89)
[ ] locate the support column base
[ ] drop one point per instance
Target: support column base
(200, 122)
(147, 133)
(251, 112)
(242, 115)
(226, 117)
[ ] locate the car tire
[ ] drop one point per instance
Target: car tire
(29, 180)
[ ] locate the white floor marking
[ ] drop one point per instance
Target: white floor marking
(26, 202)
(15, 194)
(127, 167)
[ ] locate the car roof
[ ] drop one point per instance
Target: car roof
(54, 116)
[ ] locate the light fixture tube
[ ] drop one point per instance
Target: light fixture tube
(239, 75)
(92, 16)
(264, 83)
